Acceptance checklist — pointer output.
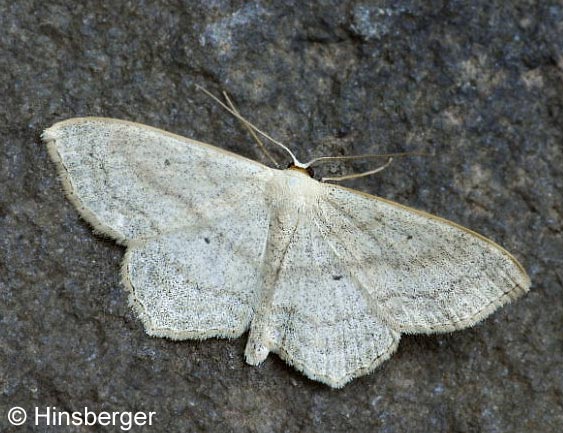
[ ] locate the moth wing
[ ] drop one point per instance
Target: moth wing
(193, 217)
(313, 314)
(198, 283)
(133, 182)
(424, 273)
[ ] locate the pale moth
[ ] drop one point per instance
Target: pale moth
(217, 245)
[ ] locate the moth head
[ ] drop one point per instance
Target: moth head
(307, 170)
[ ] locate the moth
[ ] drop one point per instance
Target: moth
(217, 245)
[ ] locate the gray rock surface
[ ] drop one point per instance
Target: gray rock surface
(477, 84)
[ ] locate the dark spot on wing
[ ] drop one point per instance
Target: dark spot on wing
(207, 241)
(166, 162)
(337, 277)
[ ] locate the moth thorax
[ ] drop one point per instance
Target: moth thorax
(295, 190)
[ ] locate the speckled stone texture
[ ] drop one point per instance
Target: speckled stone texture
(479, 85)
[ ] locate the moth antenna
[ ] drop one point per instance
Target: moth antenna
(324, 159)
(357, 175)
(250, 125)
(251, 132)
